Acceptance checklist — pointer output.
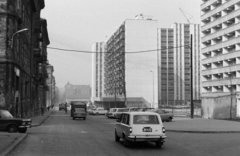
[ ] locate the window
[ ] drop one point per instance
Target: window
(145, 119)
(125, 119)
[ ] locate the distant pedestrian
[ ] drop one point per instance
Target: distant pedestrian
(48, 107)
(42, 110)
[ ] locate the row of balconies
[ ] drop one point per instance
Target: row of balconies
(217, 34)
(221, 88)
(212, 7)
(220, 63)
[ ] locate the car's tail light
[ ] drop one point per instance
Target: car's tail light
(130, 130)
(163, 129)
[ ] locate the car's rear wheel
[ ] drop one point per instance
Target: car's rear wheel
(117, 138)
(22, 130)
(170, 119)
(158, 144)
(97, 113)
(125, 142)
(73, 118)
(84, 118)
(12, 129)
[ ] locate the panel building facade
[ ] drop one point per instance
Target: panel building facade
(175, 64)
(220, 46)
(130, 68)
(97, 94)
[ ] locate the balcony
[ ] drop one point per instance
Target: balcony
(221, 70)
(228, 82)
(218, 9)
(223, 44)
(221, 57)
(222, 32)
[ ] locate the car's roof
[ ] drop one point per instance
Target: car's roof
(140, 113)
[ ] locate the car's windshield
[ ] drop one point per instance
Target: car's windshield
(5, 114)
(145, 119)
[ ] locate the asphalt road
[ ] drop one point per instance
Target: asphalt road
(61, 136)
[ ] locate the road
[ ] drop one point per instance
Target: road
(61, 136)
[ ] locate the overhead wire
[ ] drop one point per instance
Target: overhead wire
(91, 52)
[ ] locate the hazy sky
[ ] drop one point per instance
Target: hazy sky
(76, 24)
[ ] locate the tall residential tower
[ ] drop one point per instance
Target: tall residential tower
(175, 64)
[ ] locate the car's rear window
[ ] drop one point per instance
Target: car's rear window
(79, 110)
(145, 119)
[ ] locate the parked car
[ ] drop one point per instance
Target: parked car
(166, 116)
(140, 109)
(99, 111)
(140, 127)
(110, 113)
(13, 125)
(120, 111)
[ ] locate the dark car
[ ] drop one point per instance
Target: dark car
(166, 116)
(61, 106)
(13, 125)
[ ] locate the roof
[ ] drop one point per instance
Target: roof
(141, 113)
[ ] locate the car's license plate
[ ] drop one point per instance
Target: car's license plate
(147, 129)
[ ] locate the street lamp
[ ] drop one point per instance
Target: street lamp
(153, 87)
(19, 31)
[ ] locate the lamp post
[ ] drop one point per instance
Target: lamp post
(19, 31)
(153, 88)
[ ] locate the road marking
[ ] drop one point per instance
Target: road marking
(83, 132)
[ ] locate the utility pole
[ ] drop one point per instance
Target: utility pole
(191, 65)
(191, 53)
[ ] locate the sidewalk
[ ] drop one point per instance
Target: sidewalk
(11, 140)
(200, 125)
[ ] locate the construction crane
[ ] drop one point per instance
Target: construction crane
(188, 19)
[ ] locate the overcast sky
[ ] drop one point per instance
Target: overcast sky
(77, 24)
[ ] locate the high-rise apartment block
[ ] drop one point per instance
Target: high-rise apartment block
(130, 69)
(221, 46)
(98, 71)
(175, 64)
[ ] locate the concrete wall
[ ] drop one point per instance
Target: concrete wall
(219, 107)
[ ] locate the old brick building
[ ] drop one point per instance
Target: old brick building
(23, 56)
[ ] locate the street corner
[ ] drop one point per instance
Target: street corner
(9, 141)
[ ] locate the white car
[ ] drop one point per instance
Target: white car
(99, 111)
(140, 127)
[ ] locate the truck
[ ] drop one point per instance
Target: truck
(78, 110)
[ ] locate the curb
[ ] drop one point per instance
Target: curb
(210, 132)
(13, 145)
(36, 125)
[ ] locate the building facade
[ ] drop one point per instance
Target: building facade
(175, 64)
(23, 41)
(221, 45)
(51, 85)
(221, 56)
(98, 72)
(77, 92)
(130, 68)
